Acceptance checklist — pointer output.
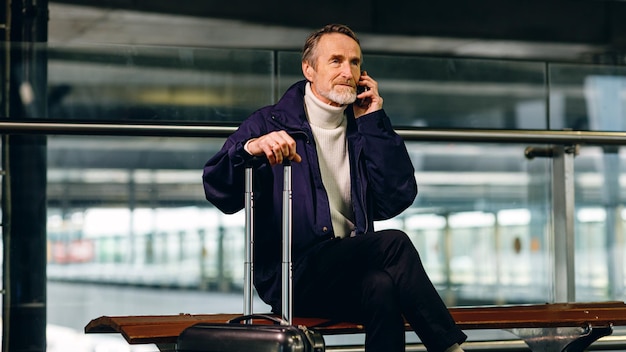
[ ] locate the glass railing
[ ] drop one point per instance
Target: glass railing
(126, 208)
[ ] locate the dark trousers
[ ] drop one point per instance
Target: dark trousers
(376, 279)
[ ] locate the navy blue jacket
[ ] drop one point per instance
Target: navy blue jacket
(382, 175)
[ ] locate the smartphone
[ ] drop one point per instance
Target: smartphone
(359, 90)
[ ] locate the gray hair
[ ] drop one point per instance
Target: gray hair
(309, 52)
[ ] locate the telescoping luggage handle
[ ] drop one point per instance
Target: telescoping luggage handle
(287, 265)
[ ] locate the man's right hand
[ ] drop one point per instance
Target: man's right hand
(275, 146)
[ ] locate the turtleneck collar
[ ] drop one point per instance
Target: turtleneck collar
(320, 114)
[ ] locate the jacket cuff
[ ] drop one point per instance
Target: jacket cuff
(238, 155)
(375, 121)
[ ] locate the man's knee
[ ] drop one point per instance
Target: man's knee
(396, 237)
(396, 241)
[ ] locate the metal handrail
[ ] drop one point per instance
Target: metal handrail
(564, 137)
(115, 129)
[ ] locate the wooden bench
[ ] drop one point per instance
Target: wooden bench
(568, 327)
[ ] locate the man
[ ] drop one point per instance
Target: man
(350, 168)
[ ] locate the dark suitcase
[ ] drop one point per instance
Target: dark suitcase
(234, 336)
(246, 333)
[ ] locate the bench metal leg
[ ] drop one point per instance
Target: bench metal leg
(561, 339)
(583, 342)
(166, 347)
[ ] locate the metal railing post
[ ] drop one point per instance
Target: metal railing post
(564, 223)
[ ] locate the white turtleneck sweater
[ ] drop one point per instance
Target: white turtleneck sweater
(328, 124)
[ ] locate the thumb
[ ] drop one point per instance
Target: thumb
(297, 158)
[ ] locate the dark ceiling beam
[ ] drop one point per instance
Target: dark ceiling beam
(568, 21)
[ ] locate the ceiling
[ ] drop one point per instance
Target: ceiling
(555, 30)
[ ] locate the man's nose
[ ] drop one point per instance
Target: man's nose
(346, 70)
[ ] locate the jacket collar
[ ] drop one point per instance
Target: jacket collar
(289, 111)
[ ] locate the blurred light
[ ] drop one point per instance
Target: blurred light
(591, 215)
(513, 217)
(472, 219)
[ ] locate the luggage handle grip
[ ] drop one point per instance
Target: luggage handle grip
(275, 320)
(255, 160)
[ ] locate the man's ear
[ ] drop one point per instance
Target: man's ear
(308, 71)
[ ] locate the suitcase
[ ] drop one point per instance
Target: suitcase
(246, 333)
(233, 336)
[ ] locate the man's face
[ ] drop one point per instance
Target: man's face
(337, 69)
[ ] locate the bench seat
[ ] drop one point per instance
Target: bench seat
(522, 320)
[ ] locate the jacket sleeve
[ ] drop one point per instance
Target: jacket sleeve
(223, 174)
(391, 176)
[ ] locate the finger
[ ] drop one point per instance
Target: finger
(287, 145)
(369, 82)
(282, 145)
(271, 157)
(297, 158)
(274, 153)
(278, 148)
(268, 147)
(278, 154)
